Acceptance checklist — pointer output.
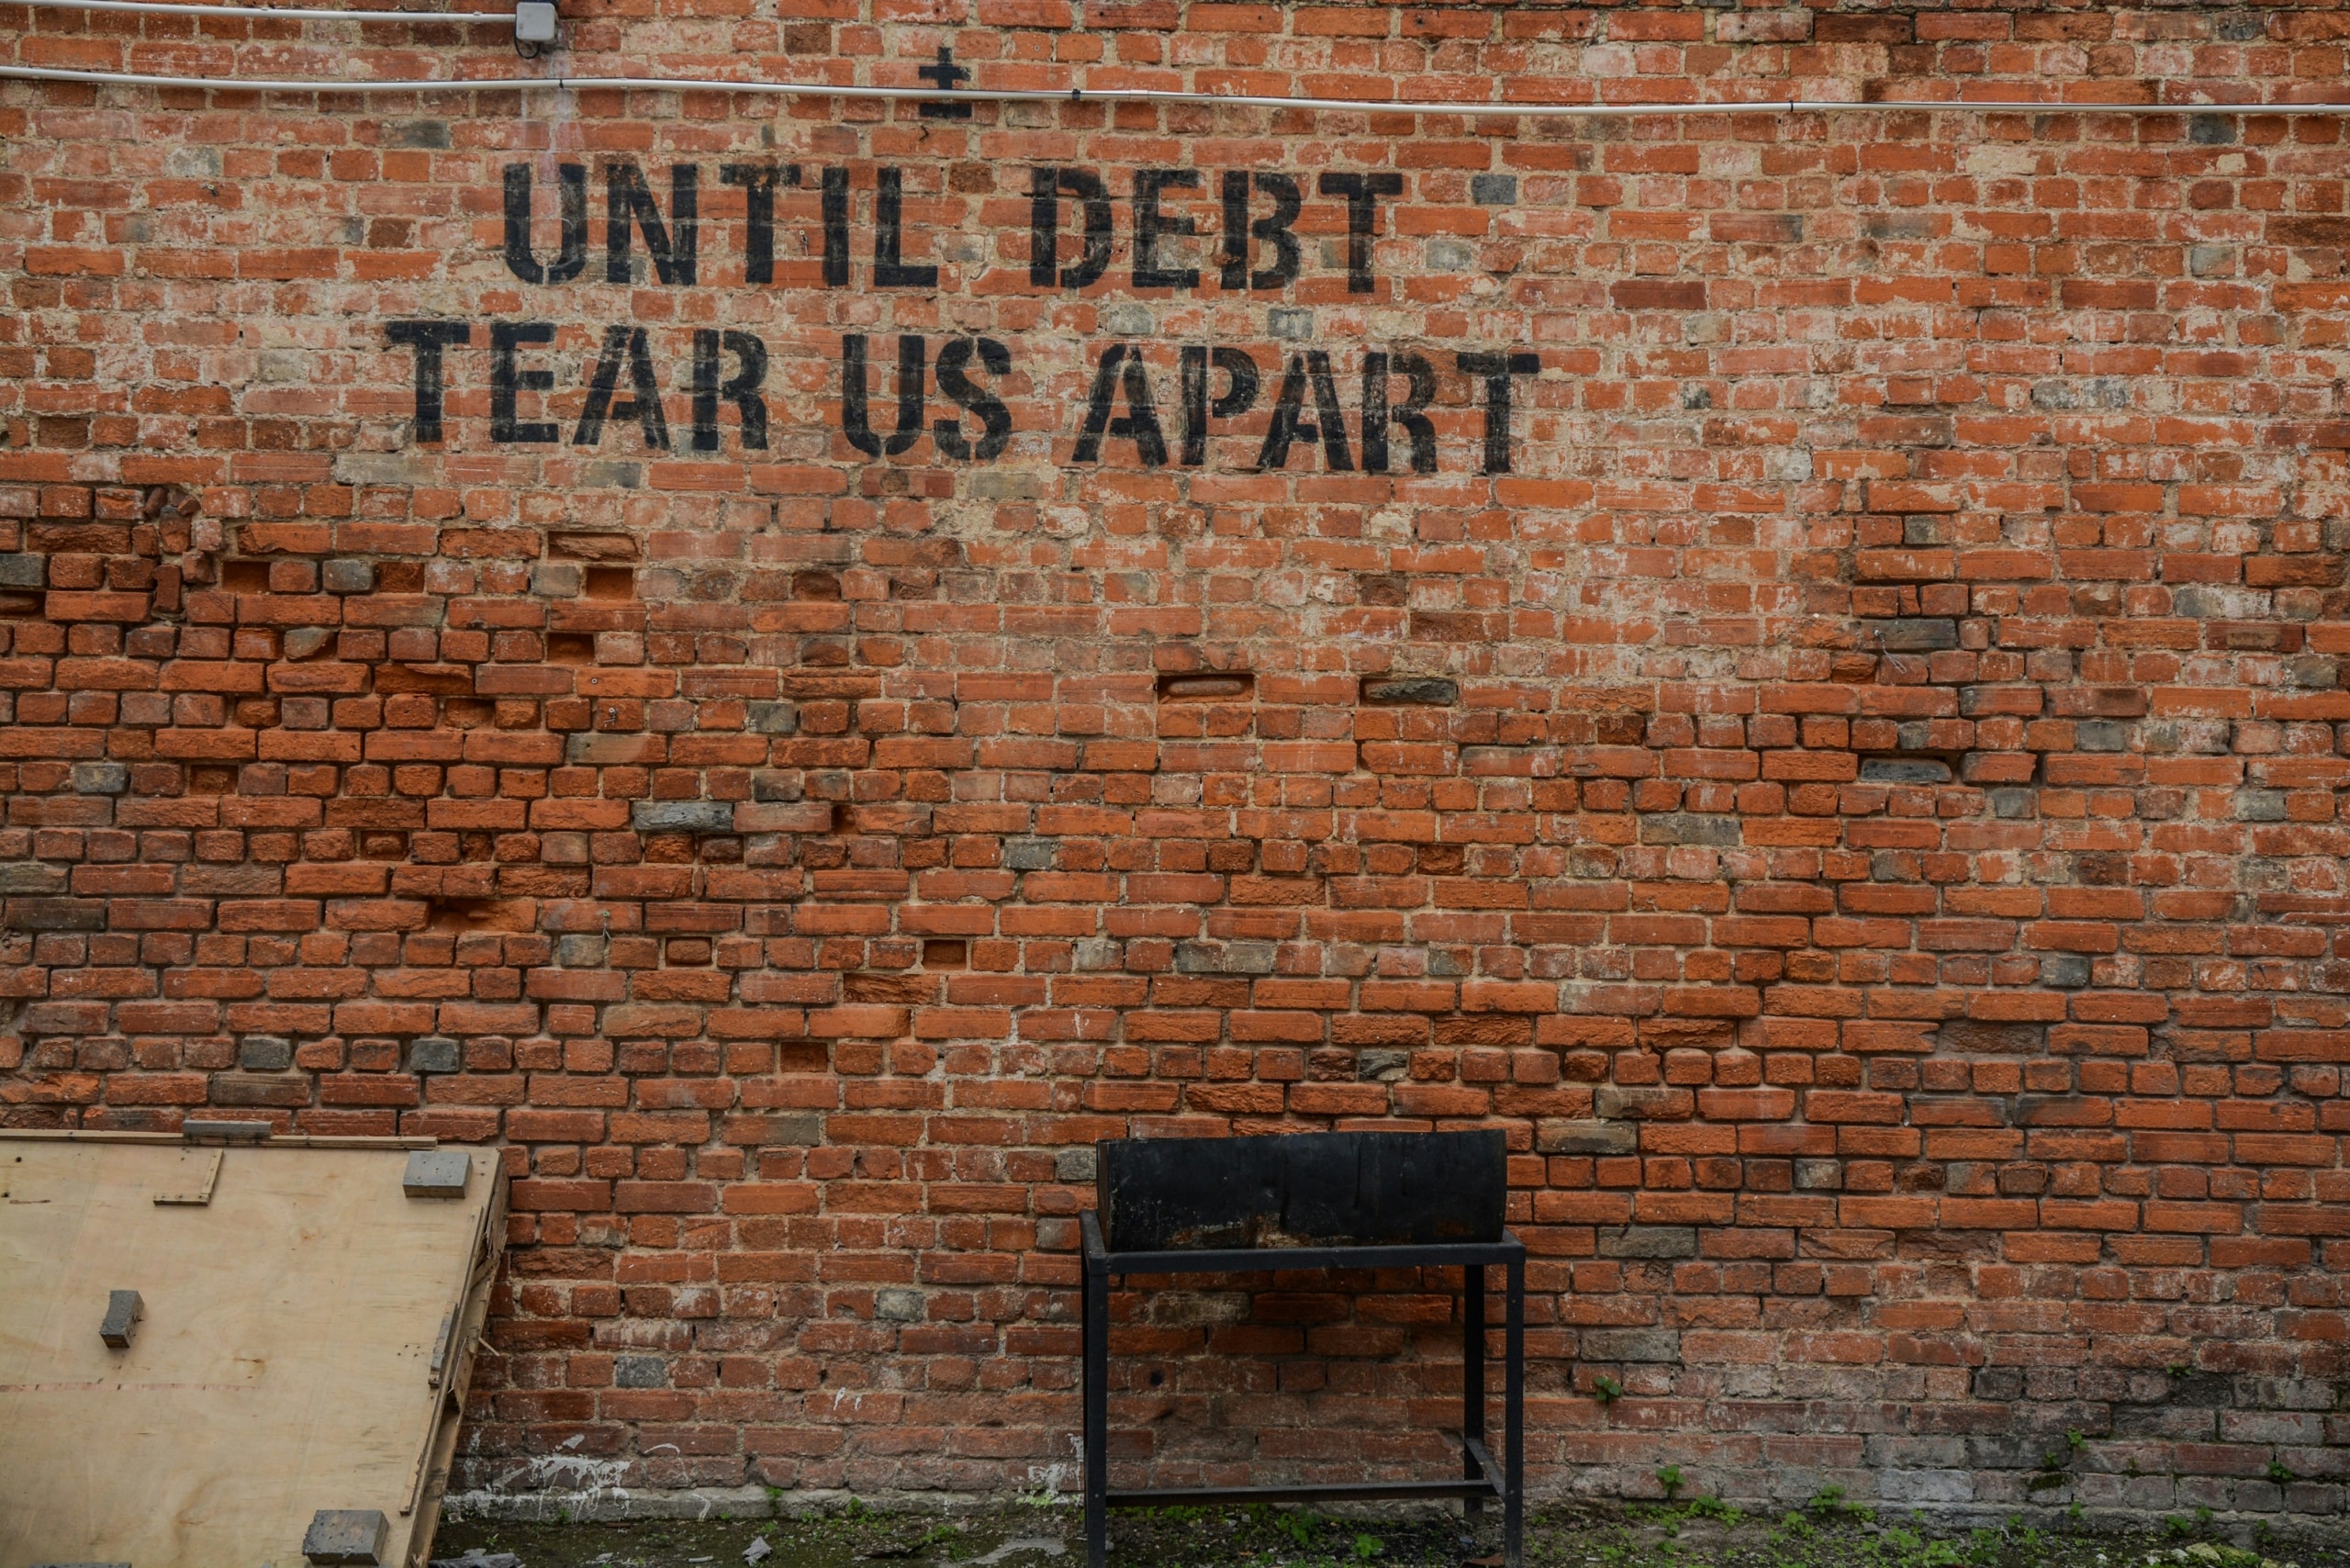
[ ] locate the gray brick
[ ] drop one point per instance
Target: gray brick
(1922, 634)
(124, 1309)
(766, 718)
(1224, 957)
(437, 1173)
(56, 914)
(1494, 190)
(555, 579)
(1074, 1165)
(898, 1305)
(1819, 1175)
(1630, 1345)
(1561, 1136)
(1029, 854)
(2067, 971)
(776, 787)
(1688, 827)
(682, 816)
(23, 571)
(264, 1053)
(100, 778)
(640, 1372)
(785, 1129)
(435, 1053)
(577, 951)
(348, 575)
(1382, 1066)
(1648, 1241)
(346, 1535)
(32, 877)
(1903, 770)
(305, 641)
(1418, 691)
(1618, 1102)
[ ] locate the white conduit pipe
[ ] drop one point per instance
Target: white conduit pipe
(271, 12)
(1121, 95)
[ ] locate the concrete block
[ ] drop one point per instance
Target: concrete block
(437, 1173)
(124, 1309)
(346, 1535)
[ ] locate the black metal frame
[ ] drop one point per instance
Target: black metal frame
(1481, 1477)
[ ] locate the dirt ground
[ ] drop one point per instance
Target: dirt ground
(1702, 1533)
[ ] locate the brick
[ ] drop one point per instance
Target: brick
(1836, 823)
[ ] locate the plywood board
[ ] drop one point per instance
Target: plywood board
(306, 1337)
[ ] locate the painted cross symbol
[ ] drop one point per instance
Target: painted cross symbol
(947, 74)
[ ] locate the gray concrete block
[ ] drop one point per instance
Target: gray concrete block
(437, 1173)
(124, 1309)
(346, 1535)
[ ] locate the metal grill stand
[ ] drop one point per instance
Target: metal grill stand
(1482, 1478)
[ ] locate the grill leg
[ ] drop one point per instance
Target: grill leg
(1097, 1418)
(1472, 1381)
(1514, 1419)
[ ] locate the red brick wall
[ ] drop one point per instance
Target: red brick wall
(1876, 857)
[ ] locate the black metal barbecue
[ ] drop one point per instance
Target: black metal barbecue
(1312, 1201)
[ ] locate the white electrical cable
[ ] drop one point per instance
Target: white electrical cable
(1134, 95)
(271, 13)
